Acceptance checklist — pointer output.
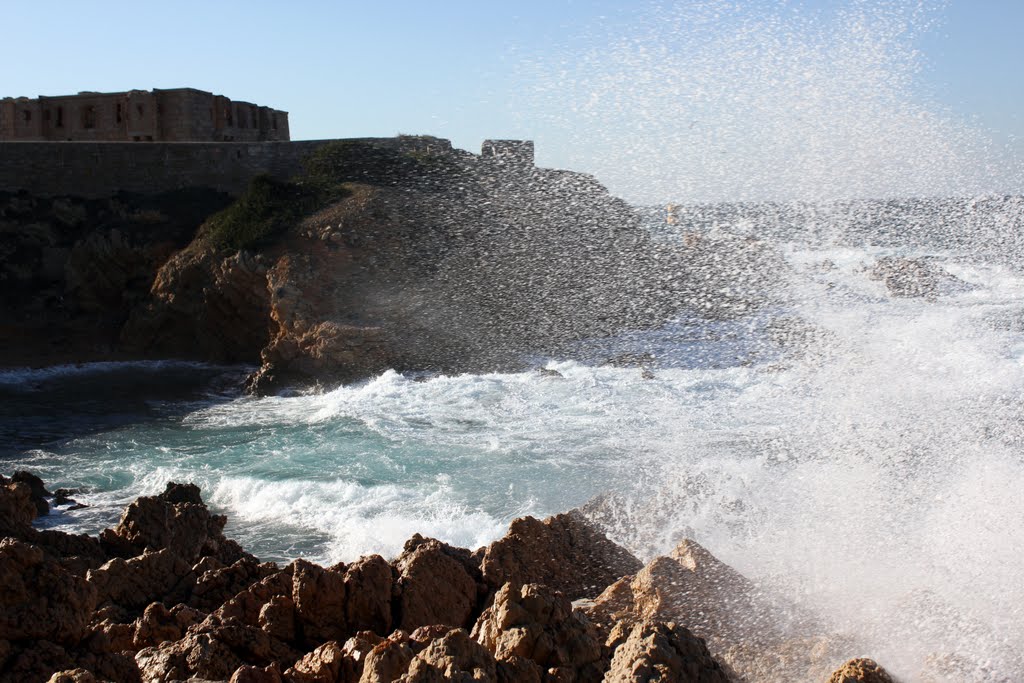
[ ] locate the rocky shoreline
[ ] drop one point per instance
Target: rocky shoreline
(164, 596)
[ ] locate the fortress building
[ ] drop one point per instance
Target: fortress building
(178, 115)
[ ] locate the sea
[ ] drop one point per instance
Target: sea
(858, 451)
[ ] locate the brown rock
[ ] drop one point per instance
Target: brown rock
(111, 636)
(537, 623)
(156, 625)
(215, 584)
(564, 552)
(388, 659)
(278, 617)
(16, 508)
(319, 597)
(40, 599)
(369, 583)
(37, 661)
(665, 653)
(200, 655)
(356, 650)
(38, 492)
(453, 657)
(153, 576)
(323, 665)
(73, 676)
(434, 588)
(861, 670)
(255, 674)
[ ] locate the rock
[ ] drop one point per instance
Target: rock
(155, 626)
(111, 636)
(216, 585)
(537, 623)
(564, 552)
(860, 670)
(434, 587)
(666, 653)
(452, 657)
(73, 676)
(200, 655)
(388, 659)
(153, 576)
(78, 553)
(42, 601)
(369, 584)
(176, 520)
(279, 618)
(325, 664)
(37, 661)
(914, 277)
(255, 674)
(16, 508)
(37, 489)
(319, 598)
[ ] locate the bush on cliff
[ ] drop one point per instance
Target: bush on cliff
(267, 208)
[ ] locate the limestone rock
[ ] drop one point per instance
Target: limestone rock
(564, 552)
(663, 653)
(537, 623)
(41, 600)
(861, 670)
(434, 587)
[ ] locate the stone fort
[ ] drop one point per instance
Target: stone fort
(95, 145)
(178, 115)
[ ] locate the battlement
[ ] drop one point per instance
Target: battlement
(176, 115)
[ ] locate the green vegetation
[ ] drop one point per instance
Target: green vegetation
(266, 209)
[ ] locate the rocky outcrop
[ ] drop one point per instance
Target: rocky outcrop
(564, 552)
(175, 611)
(860, 670)
(914, 277)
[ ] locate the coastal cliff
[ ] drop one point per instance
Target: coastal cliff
(416, 257)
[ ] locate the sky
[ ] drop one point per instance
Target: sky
(642, 93)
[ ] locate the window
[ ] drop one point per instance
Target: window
(26, 115)
(60, 117)
(273, 121)
(140, 109)
(46, 115)
(120, 113)
(88, 116)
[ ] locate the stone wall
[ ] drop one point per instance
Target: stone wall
(101, 169)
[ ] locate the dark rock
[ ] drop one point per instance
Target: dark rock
(38, 490)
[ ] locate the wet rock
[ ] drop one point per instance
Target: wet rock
(153, 576)
(434, 587)
(655, 651)
(37, 490)
(564, 552)
(63, 496)
(861, 670)
(41, 600)
(537, 623)
(452, 657)
(16, 508)
(914, 277)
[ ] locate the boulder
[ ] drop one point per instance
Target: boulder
(434, 587)
(564, 552)
(369, 583)
(215, 583)
(388, 659)
(536, 623)
(325, 664)
(319, 598)
(663, 653)
(134, 583)
(41, 600)
(37, 490)
(860, 670)
(452, 657)
(16, 508)
(255, 674)
(36, 662)
(73, 676)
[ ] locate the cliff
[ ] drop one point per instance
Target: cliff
(414, 257)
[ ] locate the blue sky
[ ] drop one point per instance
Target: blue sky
(468, 70)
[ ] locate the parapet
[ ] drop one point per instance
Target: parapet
(510, 152)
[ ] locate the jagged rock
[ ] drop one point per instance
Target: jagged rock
(388, 659)
(36, 662)
(153, 576)
(37, 489)
(325, 664)
(215, 584)
(110, 636)
(16, 508)
(78, 553)
(319, 597)
(452, 657)
(200, 655)
(73, 676)
(564, 552)
(434, 587)
(41, 600)
(914, 277)
(156, 625)
(369, 584)
(278, 617)
(537, 623)
(119, 667)
(256, 674)
(176, 520)
(666, 653)
(356, 650)
(861, 670)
